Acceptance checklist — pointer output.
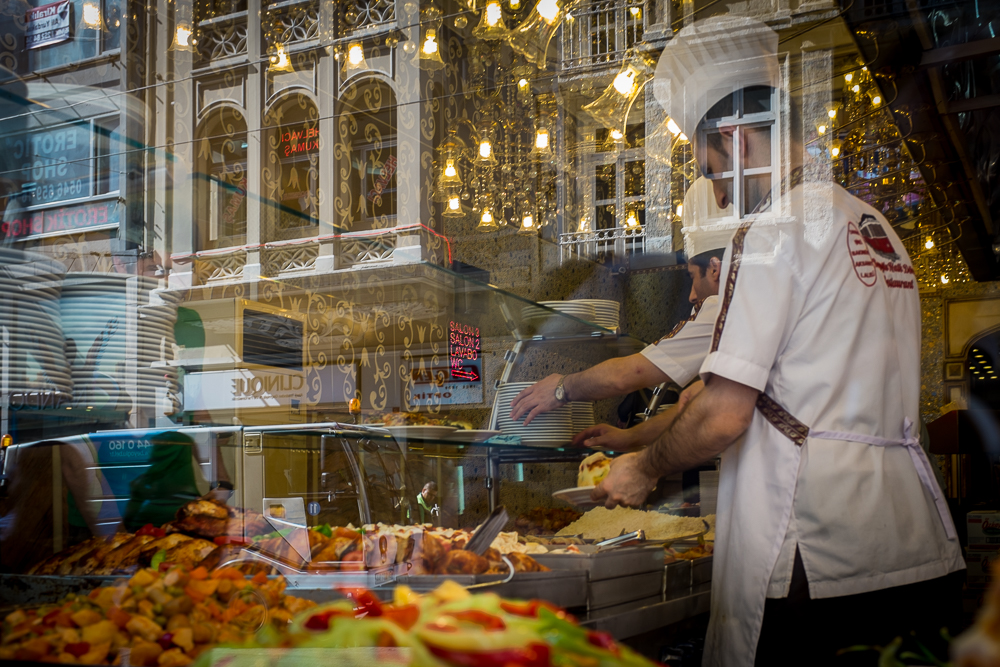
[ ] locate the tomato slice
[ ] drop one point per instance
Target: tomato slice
(405, 616)
(485, 620)
(533, 655)
(603, 640)
(365, 602)
(321, 621)
(150, 529)
(527, 608)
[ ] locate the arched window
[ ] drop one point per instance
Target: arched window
(220, 210)
(290, 174)
(366, 157)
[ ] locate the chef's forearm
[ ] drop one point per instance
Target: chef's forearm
(710, 423)
(613, 377)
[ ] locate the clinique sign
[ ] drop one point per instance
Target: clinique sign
(257, 385)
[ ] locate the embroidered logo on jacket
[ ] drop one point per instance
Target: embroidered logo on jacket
(876, 238)
(864, 265)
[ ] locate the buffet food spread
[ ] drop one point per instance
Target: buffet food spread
(601, 523)
(171, 616)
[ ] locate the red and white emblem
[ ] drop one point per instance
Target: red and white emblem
(864, 265)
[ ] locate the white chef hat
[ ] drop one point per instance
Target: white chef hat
(710, 59)
(705, 225)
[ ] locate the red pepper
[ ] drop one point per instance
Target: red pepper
(481, 618)
(77, 649)
(365, 603)
(534, 655)
(165, 640)
(223, 540)
(529, 608)
(603, 640)
(321, 621)
(405, 616)
(150, 529)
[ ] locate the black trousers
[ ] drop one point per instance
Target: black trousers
(800, 631)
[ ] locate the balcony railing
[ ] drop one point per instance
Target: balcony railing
(601, 32)
(610, 246)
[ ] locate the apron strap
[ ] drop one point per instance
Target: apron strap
(917, 454)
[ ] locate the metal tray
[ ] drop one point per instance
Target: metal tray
(701, 570)
(609, 592)
(676, 578)
(560, 587)
(621, 562)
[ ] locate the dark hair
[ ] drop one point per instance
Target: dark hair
(702, 259)
(431, 484)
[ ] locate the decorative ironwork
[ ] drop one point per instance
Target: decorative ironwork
(292, 22)
(370, 13)
(397, 245)
(218, 268)
(603, 244)
(223, 37)
(292, 258)
(601, 32)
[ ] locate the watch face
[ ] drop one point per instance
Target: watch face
(560, 393)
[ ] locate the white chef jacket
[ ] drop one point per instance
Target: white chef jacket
(681, 352)
(819, 312)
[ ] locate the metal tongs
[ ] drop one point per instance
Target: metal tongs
(624, 540)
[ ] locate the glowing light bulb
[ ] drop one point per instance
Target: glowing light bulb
(548, 10)
(355, 54)
(91, 15)
(485, 149)
(945, 279)
(522, 84)
(929, 243)
(542, 139)
(430, 42)
(834, 151)
(632, 220)
(625, 82)
(528, 222)
(682, 136)
(454, 203)
(487, 217)
(856, 88)
(848, 78)
(636, 11)
(493, 14)
(515, 4)
(450, 170)
(680, 210)
(821, 129)
(832, 113)
(877, 100)
(183, 35)
(673, 127)
(616, 135)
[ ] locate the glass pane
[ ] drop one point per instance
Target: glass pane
(727, 185)
(605, 217)
(757, 99)
(723, 108)
(605, 178)
(635, 178)
(755, 188)
(719, 154)
(758, 152)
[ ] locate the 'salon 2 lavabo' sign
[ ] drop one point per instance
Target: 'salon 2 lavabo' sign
(48, 24)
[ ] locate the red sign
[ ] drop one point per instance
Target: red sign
(301, 140)
(864, 265)
(63, 219)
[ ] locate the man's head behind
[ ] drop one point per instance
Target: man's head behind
(429, 492)
(705, 270)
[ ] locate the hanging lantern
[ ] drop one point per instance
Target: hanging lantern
(90, 17)
(612, 107)
(531, 39)
(355, 57)
(429, 54)
(486, 222)
(542, 149)
(491, 25)
(453, 207)
(281, 60)
(528, 225)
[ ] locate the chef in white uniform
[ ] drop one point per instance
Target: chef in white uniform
(831, 526)
(676, 357)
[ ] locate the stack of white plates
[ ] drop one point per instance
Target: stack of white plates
(583, 415)
(602, 312)
(606, 312)
(552, 429)
(121, 338)
(29, 309)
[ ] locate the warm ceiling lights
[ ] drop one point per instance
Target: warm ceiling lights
(356, 54)
(929, 243)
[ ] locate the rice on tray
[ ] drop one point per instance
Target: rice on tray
(601, 523)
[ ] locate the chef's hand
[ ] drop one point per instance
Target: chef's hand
(537, 399)
(606, 436)
(628, 483)
(689, 394)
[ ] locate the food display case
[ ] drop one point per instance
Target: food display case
(326, 490)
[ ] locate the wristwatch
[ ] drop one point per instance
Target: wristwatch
(561, 391)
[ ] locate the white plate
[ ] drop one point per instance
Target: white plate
(476, 435)
(578, 496)
(419, 432)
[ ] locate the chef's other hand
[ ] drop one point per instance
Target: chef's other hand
(606, 436)
(628, 483)
(537, 399)
(689, 394)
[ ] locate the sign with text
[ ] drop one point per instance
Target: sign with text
(299, 139)
(22, 224)
(258, 388)
(447, 386)
(48, 24)
(54, 164)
